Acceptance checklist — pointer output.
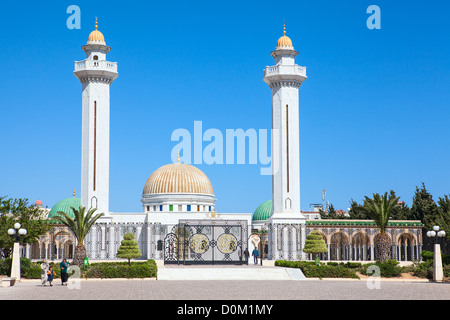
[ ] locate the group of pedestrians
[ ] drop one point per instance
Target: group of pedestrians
(48, 274)
(255, 254)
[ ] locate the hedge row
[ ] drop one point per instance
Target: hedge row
(32, 270)
(147, 269)
(311, 270)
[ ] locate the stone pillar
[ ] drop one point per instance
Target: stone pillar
(438, 274)
(103, 241)
(303, 239)
(138, 236)
(15, 266)
(274, 242)
(328, 253)
(372, 252)
(94, 242)
(295, 253)
(111, 253)
(285, 242)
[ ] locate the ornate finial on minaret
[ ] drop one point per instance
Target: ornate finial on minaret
(178, 157)
(96, 23)
(284, 28)
(73, 193)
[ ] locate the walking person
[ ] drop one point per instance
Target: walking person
(255, 254)
(246, 255)
(44, 269)
(64, 265)
(50, 275)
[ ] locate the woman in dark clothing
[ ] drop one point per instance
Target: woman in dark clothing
(64, 265)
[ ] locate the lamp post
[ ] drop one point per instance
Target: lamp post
(435, 234)
(15, 268)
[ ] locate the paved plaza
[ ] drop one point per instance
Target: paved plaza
(286, 286)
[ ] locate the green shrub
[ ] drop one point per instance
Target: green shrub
(388, 269)
(447, 271)
(424, 269)
(427, 255)
(28, 269)
(353, 265)
(325, 271)
(147, 269)
(310, 270)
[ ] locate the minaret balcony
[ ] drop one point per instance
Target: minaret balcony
(95, 65)
(284, 72)
(95, 68)
(280, 69)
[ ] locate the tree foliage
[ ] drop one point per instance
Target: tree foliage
(331, 214)
(315, 243)
(28, 215)
(80, 225)
(129, 248)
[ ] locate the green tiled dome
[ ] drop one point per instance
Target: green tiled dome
(65, 206)
(264, 211)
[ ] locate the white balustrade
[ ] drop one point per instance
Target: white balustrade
(281, 69)
(94, 64)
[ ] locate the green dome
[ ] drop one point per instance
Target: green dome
(264, 211)
(65, 206)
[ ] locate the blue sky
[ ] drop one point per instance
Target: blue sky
(374, 111)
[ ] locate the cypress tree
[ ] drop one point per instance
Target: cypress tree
(129, 248)
(315, 243)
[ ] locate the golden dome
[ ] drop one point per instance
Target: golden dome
(178, 178)
(96, 35)
(284, 41)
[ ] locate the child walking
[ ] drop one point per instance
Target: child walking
(50, 275)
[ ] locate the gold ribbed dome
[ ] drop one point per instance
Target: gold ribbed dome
(178, 178)
(284, 41)
(96, 35)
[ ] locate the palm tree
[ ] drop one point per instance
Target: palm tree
(379, 209)
(80, 225)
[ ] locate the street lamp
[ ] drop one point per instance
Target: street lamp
(15, 268)
(20, 231)
(435, 234)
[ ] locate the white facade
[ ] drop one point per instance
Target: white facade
(183, 192)
(96, 75)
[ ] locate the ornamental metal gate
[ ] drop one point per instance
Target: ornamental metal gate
(206, 242)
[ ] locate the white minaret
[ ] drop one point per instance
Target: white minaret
(96, 75)
(284, 79)
(286, 225)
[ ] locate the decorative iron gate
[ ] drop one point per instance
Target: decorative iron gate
(206, 242)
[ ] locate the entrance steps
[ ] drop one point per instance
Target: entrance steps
(183, 272)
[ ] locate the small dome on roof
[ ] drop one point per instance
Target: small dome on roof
(284, 42)
(65, 206)
(96, 36)
(263, 212)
